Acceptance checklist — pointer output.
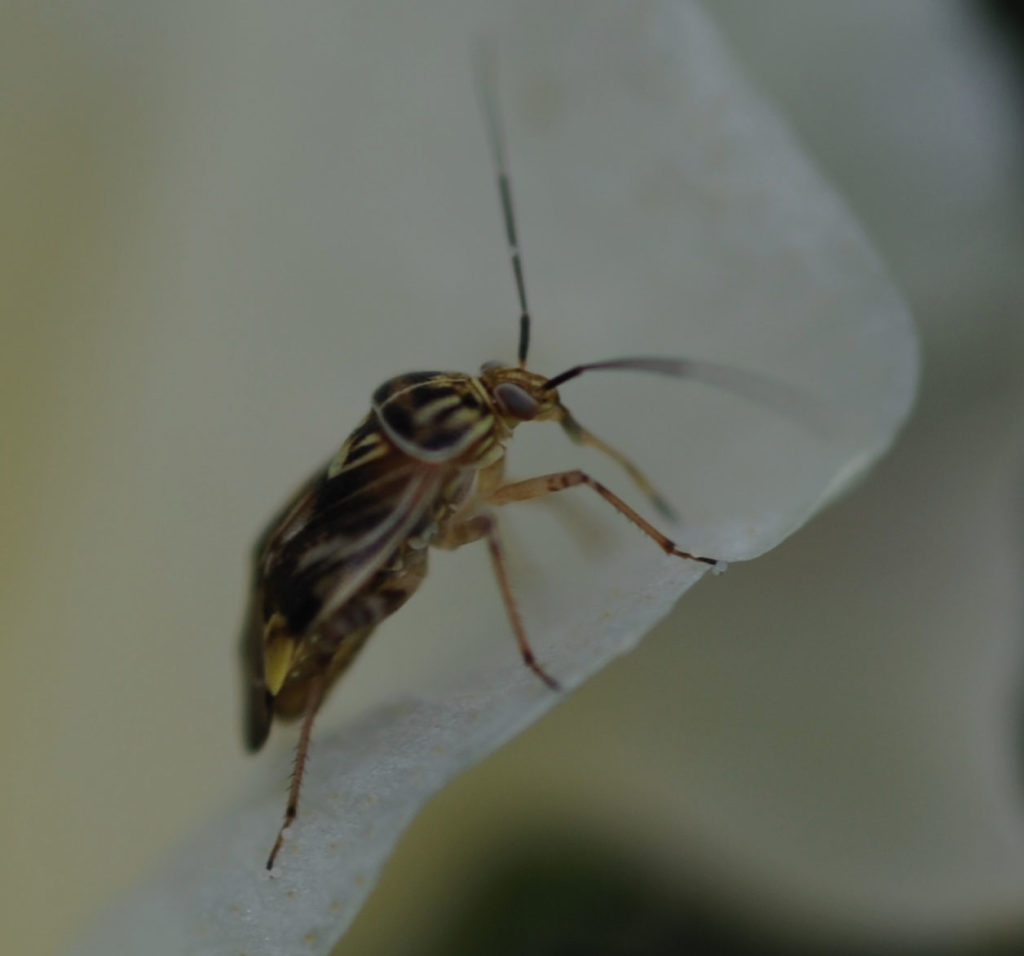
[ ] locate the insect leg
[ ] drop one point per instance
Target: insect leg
(484, 526)
(317, 685)
(582, 436)
(498, 560)
(559, 481)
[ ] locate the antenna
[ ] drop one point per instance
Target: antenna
(786, 400)
(487, 93)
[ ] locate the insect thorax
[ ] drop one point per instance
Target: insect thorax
(439, 417)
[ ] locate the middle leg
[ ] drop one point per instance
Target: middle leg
(484, 526)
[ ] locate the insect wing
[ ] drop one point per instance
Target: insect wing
(257, 701)
(356, 561)
(340, 530)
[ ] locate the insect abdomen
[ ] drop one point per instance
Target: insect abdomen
(337, 641)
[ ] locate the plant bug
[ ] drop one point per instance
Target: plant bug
(425, 468)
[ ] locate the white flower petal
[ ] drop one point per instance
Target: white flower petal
(663, 210)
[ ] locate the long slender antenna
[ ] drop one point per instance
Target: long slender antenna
(784, 399)
(487, 93)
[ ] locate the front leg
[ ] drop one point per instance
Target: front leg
(548, 484)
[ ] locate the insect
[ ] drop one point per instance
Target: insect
(425, 468)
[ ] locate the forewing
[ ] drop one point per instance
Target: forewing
(256, 699)
(338, 531)
(352, 562)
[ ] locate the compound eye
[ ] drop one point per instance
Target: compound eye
(516, 401)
